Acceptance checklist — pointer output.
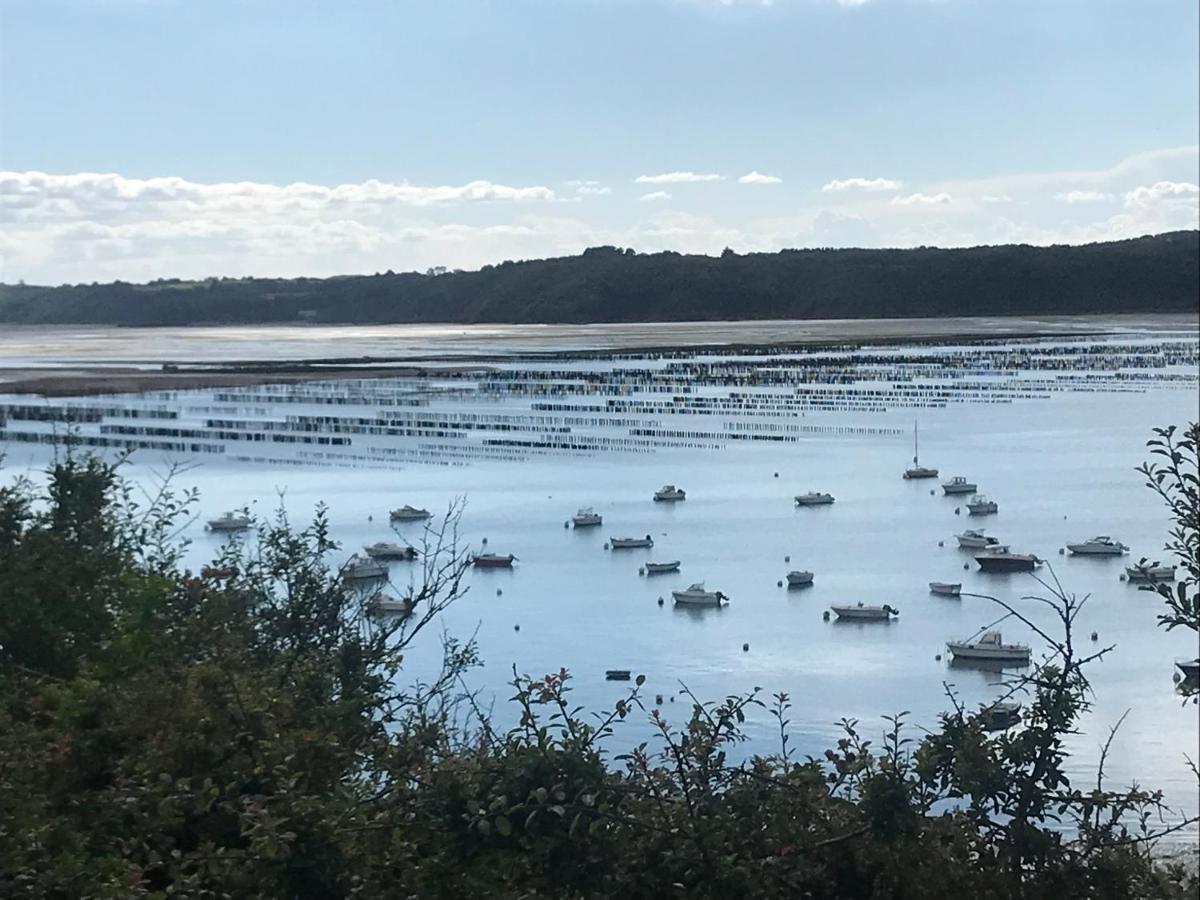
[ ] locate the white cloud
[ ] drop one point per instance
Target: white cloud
(589, 191)
(677, 178)
(758, 178)
(991, 198)
(655, 195)
(1081, 196)
(1161, 190)
(922, 199)
(862, 184)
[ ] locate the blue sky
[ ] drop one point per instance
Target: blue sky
(148, 138)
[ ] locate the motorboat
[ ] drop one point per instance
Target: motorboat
(408, 513)
(382, 603)
(797, 578)
(976, 540)
(1000, 715)
(1189, 669)
(1151, 572)
(959, 485)
(493, 561)
(586, 518)
(669, 493)
(661, 568)
(390, 550)
(229, 522)
(630, 543)
(617, 674)
(363, 568)
(989, 646)
(980, 505)
(814, 498)
(945, 588)
(1001, 559)
(916, 470)
(1102, 545)
(862, 612)
(696, 595)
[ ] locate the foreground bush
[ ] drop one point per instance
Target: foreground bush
(244, 733)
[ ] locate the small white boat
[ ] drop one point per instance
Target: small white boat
(390, 550)
(696, 595)
(670, 494)
(493, 561)
(408, 513)
(814, 498)
(990, 646)
(945, 588)
(959, 485)
(1151, 572)
(586, 518)
(976, 540)
(1001, 715)
(980, 505)
(999, 558)
(229, 522)
(1189, 669)
(382, 603)
(862, 612)
(797, 578)
(916, 470)
(630, 543)
(661, 568)
(361, 568)
(1101, 545)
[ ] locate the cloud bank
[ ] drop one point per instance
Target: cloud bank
(862, 184)
(677, 178)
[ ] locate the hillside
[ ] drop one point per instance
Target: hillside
(607, 284)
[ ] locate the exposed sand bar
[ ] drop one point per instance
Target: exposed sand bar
(65, 360)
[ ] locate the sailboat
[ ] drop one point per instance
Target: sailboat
(916, 470)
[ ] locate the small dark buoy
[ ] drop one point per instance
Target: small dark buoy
(1122, 577)
(370, 518)
(957, 511)
(660, 601)
(641, 570)
(1061, 551)
(787, 559)
(499, 591)
(776, 474)
(672, 698)
(825, 615)
(658, 699)
(938, 658)
(516, 628)
(566, 524)
(941, 543)
(1095, 636)
(931, 493)
(485, 540)
(779, 583)
(745, 648)
(966, 566)
(606, 545)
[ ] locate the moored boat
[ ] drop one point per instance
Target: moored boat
(980, 505)
(1000, 715)
(661, 568)
(1001, 559)
(1101, 545)
(797, 578)
(1150, 572)
(492, 561)
(390, 550)
(229, 522)
(630, 543)
(1189, 669)
(814, 498)
(696, 595)
(863, 612)
(408, 513)
(916, 470)
(670, 494)
(382, 603)
(976, 540)
(362, 568)
(989, 646)
(586, 518)
(959, 485)
(945, 588)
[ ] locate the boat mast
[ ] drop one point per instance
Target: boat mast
(915, 453)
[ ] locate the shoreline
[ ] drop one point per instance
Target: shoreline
(452, 351)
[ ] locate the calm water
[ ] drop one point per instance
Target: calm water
(1054, 442)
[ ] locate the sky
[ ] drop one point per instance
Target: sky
(143, 139)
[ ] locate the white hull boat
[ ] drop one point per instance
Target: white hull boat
(799, 579)
(982, 506)
(916, 470)
(1189, 669)
(668, 493)
(814, 498)
(382, 603)
(1098, 546)
(945, 588)
(662, 568)
(696, 595)
(586, 518)
(1150, 573)
(1000, 716)
(990, 647)
(361, 569)
(1000, 559)
(976, 540)
(493, 561)
(959, 485)
(628, 543)
(408, 513)
(229, 522)
(862, 612)
(390, 550)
